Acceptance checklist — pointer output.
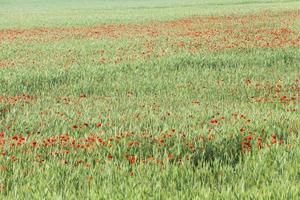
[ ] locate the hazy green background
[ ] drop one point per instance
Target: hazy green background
(56, 13)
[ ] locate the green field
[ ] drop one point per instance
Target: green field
(127, 99)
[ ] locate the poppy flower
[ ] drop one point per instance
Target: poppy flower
(248, 81)
(98, 124)
(273, 139)
(131, 143)
(2, 134)
(242, 130)
(246, 146)
(248, 138)
(15, 137)
(132, 159)
(259, 142)
(34, 143)
(214, 121)
(281, 141)
(170, 156)
(283, 98)
(13, 158)
(74, 126)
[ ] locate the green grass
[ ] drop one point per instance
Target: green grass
(145, 98)
(32, 13)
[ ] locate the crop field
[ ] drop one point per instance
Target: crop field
(161, 99)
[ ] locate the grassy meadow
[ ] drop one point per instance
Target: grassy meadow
(132, 99)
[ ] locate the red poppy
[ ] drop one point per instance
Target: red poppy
(66, 151)
(242, 130)
(259, 142)
(132, 159)
(98, 124)
(15, 137)
(34, 143)
(2, 134)
(242, 116)
(247, 81)
(74, 126)
(101, 141)
(13, 158)
(131, 143)
(273, 139)
(283, 98)
(248, 138)
(246, 146)
(214, 121)
(281, 140)
(170, 156)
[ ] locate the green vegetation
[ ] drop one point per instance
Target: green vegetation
(147, 109)
(56, 13)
